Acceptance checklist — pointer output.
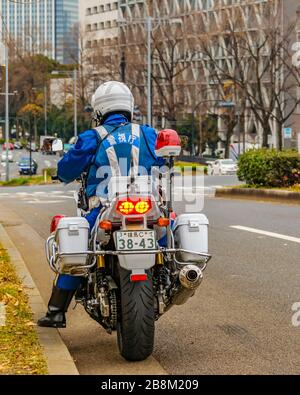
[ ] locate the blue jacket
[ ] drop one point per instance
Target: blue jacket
(91, 152)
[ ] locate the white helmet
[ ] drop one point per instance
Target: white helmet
(113, 96)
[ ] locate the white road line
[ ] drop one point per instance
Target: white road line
(43, 201)
(270, 234)
(65, 197)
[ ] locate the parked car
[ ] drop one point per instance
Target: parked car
(210, 165)
(18, 145)
(10, 146)
(24, 166)
(32, 147)
(10, 156)
(224, 167)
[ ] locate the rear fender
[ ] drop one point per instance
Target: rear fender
(137, 264)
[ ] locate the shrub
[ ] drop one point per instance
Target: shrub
(51, 171)
(269, 168)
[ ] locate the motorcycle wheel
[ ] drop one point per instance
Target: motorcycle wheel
(135, 328)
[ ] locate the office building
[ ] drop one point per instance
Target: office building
(47, 27)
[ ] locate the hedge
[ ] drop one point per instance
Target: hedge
(269, 168)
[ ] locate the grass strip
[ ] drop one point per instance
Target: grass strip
(20, 351)
(22, 181)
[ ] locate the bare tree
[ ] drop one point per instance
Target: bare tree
(258, 63)
(171, 62)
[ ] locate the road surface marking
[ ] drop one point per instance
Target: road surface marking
(266, 233)
(65, 197)
(42, 201)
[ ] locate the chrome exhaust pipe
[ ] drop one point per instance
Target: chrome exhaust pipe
(190, 277)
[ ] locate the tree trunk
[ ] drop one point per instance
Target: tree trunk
(35, 131)
(229, 134)
(266, 132)
(279, 136)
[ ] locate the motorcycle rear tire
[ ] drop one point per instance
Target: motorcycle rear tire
(136, 323)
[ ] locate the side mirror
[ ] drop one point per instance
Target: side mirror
(168, 144)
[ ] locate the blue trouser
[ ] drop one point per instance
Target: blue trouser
(71, 283)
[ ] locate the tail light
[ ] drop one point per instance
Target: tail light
(55, 222)
(134, 207)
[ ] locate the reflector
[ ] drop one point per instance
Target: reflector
(163, 222)
(106, 225)
(138, 277)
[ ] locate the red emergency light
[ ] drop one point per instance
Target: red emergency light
(168, 143)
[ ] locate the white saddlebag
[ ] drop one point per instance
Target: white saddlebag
(191, 233)
(72, 236)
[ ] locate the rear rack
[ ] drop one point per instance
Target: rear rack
(53, 256)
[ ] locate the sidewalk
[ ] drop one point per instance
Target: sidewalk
(57, 356)
(94, 351)
(269, 195)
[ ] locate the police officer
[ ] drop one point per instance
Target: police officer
(115, 144)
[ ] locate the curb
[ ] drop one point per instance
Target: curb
(265, 194)
(58, 358)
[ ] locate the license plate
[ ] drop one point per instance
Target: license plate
(136, 240)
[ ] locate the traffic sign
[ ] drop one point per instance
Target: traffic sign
(288, 133)
(226, 104)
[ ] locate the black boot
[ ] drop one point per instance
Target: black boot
(58, 305)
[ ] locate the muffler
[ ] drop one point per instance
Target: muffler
(190, 277)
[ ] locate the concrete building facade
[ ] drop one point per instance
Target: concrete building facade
(99, 41)
(206, 17)
(99, 21)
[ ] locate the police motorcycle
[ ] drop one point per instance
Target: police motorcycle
(129, 278)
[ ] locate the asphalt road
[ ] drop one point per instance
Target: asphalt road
(239, 322)
(43, 161)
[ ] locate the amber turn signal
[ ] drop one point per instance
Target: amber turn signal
(105, 225)
(163, 222)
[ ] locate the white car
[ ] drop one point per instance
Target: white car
(210, 165)
(10, 156)
(224, 167)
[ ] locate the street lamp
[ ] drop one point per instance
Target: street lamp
(45, 109)
(149, 29)
(69, 73)
(6, 111)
